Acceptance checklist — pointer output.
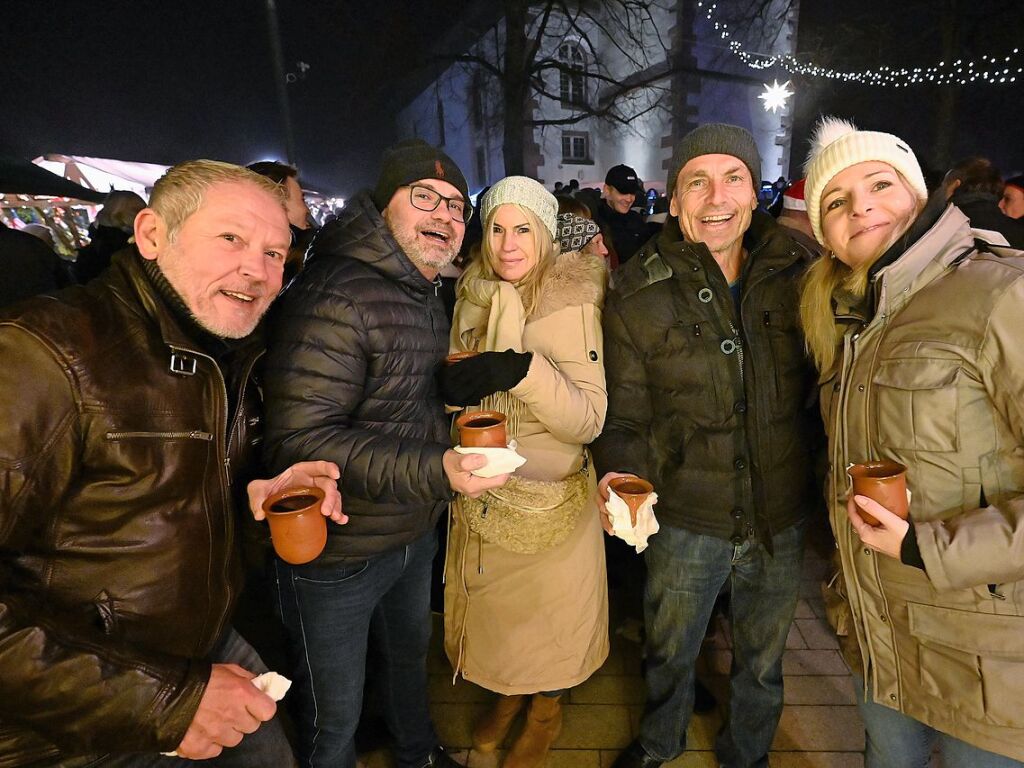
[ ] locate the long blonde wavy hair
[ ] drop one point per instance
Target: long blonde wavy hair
(529, 287)
(827, 278)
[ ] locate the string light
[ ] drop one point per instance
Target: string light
(988, 69)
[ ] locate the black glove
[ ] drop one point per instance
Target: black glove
(468, 381)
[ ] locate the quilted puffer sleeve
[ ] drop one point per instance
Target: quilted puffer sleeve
(315, 380)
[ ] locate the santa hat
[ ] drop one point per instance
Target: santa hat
(793, 197)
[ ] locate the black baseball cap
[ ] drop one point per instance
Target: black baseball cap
(624, 179)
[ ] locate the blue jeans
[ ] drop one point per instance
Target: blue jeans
(268, 747)
(895, 740)
(331, 613)
(685, 572)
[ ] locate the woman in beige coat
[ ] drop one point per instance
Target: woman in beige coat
(915, 321)
(517, 622)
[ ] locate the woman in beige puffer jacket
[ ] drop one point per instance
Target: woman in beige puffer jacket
(915, 322)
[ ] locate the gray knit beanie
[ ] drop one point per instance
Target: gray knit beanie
(716, 139)
(524, 191)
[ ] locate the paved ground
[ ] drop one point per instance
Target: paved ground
(820, 726)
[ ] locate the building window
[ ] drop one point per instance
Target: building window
(576, 147)
(572, 81)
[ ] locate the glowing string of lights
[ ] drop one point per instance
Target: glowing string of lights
(991, 70)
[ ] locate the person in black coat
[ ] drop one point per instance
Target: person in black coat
(350, 375)
(108, 234)
(615, 212)
(29, 267)
(974, 186)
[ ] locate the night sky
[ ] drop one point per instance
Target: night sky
(168, 81)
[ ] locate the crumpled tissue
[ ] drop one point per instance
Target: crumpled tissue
(622, 524)
(499, 460)
(270, 683)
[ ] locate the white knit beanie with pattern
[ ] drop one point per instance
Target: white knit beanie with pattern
(524, 191)
(836, 145)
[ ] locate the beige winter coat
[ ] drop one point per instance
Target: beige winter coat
(935, 380)
(527, 623)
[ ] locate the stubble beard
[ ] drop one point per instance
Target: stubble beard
(421, 255)
(204, 314)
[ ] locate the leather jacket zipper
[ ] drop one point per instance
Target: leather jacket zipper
(195, 434)
(225, 484)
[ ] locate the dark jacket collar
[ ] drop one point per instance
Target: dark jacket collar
(132, 284)
(360, 233)
(925, 220)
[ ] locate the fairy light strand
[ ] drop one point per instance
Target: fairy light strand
(991, 70)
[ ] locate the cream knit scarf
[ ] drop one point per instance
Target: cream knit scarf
(489, 317)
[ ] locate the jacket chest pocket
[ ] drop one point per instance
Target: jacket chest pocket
(131, 449)
(917, 404)
(684, 366)
(790, 370)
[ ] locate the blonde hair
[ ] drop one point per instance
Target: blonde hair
(179, 192)
(826, 278)
(823, 280)
(529, 287)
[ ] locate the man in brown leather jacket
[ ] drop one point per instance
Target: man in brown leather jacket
(128, 417)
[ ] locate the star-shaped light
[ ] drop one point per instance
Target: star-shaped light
(775, 96)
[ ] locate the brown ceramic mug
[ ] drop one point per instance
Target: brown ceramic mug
(456, 357)
(633, 490)
(482, 429)
(882, 481)
(298, 529)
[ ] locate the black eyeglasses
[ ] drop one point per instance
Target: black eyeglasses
(426, 199)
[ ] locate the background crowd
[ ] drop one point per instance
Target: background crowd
(738, 345)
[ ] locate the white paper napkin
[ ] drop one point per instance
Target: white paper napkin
(622, 524)
(270, 683)
(499, 460)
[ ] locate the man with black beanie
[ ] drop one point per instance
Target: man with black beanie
(350, 377)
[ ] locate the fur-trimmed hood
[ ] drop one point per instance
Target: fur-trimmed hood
(576, 278)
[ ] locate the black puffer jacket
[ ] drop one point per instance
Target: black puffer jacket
(350, 377)
(714, 412)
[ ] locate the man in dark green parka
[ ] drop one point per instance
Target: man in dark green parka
(708, 391)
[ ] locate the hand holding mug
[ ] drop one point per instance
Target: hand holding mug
(885, 537)
(322, 474)
(602, 499)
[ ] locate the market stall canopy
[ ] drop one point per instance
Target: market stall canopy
(20, 177)
(103, 174)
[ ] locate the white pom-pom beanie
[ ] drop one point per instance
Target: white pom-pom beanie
(836, 145)
(524, 191)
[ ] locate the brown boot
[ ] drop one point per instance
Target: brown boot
(491, 731)
(543, 724)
